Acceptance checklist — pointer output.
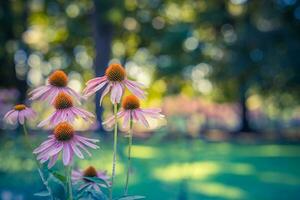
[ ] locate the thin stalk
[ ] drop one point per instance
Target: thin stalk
(114, 150)
(28, 144)
(129, 158)
(68, 170)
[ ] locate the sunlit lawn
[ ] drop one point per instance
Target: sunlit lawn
(174, 170)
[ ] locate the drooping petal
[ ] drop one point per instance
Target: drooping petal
(96, 80)
(21, 117)
(84, 141)
(116, 93)
(111, 120)
(107, 89)
(91, 89)
(47, 120)
(8, 113)
(135, 89)
(52, 161)
(44, 145)
(66, 154)
(142, 118)
(58, 147)
(127, 118)
(154, 113)
(76, 150)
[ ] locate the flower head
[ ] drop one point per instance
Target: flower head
(58, 79)
(66, 141)
(57, 82)
(131, 111)
(65, 111)
(81, 176)
(115, 72)
(19, 114)
(114, 81)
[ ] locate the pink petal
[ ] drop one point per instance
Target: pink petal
(96, 80)
(66, 154)
(44, 145)
(8, 113)
(52, 161)
(21, 117)
(116, 93)
(135, 89)
(58, 147)
(82, 147)
(87, 143)
(76, 150)
(127, 118)
(107, 89)
(141, 117)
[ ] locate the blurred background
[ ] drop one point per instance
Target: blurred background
(225, 73)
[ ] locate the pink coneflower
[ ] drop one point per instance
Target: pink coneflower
(79, 176)
(57, 83)
(131, 111)
(114, 80)
(66, 141)
(19, 113)
(65, 111)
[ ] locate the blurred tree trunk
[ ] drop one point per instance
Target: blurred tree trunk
(102, 33)
(245, 127)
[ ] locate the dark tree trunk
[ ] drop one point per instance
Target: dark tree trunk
(102, 33)
(245, 127)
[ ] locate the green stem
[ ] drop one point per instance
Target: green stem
(114, 150)
(129, 158)
(28, 144)
(68, 170)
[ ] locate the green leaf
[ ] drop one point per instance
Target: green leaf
(42, 194)
(98, 180)
(57, 187)
(60, 177)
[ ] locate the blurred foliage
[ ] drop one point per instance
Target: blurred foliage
(223, 50)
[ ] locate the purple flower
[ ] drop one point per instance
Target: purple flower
(66, 141)
(79, 176)
(131, 111)
(65, 111)
(19, 114)
(57, 83)
(114, 80)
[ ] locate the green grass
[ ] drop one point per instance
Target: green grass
(176, 170)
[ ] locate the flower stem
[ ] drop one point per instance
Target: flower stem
(114, 150)
(68, 170)
(129, 158)
(28, 144)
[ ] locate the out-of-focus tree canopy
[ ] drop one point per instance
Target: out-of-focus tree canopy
(222, 49)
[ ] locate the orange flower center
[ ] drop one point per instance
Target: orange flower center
(90, 172)
(63, 131)
(130, 102)
(115, 72)
(20, 107)
(58, 79)
(63, 101)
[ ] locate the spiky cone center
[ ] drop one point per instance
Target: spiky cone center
(130, 102)
(89, 172)
(64, 131)
(20, 107)
(115, 72)
(63, 101)
(58, 79)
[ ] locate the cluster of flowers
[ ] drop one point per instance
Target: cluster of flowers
(64, 140)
